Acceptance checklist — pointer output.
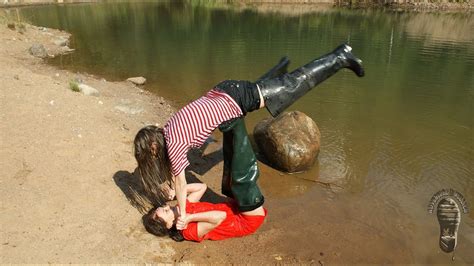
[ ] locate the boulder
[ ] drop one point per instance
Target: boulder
(38, 50)
(88, 90)
(137, 80)
(290, 142)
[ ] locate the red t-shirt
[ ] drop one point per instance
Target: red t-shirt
(235, 224)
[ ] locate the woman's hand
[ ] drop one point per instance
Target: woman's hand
(182, 222)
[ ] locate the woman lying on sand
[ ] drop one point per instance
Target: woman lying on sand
(161, 153)
(203, 220)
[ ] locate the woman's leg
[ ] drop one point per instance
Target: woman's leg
(280, 92)
(239, 180)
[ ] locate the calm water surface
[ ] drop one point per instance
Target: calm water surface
(390, 140)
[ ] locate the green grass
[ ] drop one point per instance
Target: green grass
(74, 86)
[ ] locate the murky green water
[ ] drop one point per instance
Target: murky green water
(397, 135)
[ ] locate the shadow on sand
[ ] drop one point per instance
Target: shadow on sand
(132, 187)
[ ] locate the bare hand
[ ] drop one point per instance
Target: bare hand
(182, 222)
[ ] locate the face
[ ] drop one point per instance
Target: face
(165, 213)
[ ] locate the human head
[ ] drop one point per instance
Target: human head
(159, 221)
(153, 162)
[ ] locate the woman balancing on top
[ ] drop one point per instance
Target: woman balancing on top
(161, 153)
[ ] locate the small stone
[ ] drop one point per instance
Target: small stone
(16, 77)
(61, 42)
(137, 80)
(51, 102)
(278, 258)
(79, 136)
(131, 110)
(66, 50)
(100, 102)
(57, 75)
(88, 90)
(38, 50)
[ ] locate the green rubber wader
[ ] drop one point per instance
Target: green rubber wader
(239, 180)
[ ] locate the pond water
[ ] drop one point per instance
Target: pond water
(390, 140)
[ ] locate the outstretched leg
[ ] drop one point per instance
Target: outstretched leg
(282, 91)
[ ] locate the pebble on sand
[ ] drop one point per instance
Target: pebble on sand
(88, 90)
(137, 80)
(38, 50)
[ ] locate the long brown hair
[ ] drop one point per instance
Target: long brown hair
(154, 167)
(158, 227)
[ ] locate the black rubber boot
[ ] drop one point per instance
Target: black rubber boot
(282, 91)
(228, 150)
(243, 167)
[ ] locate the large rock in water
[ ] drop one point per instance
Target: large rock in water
(289, 142)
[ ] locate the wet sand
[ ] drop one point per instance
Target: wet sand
(67, 163)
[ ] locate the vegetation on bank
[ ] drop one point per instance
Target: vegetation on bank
(427, 4)
(74, 86)
(414, 4)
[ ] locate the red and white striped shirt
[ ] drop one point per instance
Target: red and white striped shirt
(194, 123)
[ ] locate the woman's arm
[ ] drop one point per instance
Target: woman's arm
(195, 191)
(180, 188)
(207, 221)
